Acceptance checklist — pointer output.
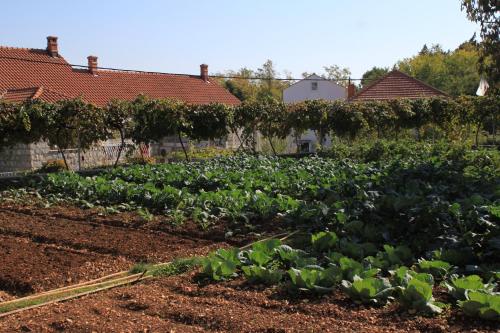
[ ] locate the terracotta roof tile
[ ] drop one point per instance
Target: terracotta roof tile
(27, 68)
(19, 95)
(395, 85)
(23, 94)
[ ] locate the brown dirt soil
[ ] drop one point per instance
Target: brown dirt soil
(29, 267)
(188, 229)
(4, 296)
(137, 245)
(180, 304)
(42, 250)
(48, 248)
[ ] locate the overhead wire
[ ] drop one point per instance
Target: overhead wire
(218, 76)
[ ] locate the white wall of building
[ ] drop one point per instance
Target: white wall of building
(304, 90)
(312, 87)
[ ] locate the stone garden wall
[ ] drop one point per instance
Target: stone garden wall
(15, 158)
(33, 156)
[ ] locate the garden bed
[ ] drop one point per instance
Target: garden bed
(43, 249)
(389, 228)
(182, 304)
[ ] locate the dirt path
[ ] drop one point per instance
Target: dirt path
(179, 304)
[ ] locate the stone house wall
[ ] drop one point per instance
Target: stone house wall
(22, 157)
(15, 158)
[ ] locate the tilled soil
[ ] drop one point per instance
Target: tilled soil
(48, 248)
(29, 267)
(137, 245)
(41, 250)
(180, 304)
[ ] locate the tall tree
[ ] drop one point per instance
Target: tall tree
(373, 74)
(486, 13)
(261, 84)
(240, 84)
(337, 74)
(269, 87)
(455, 72)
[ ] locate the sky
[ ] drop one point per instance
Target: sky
(177, 36)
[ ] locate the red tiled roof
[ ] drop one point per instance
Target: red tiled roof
(28, 68)
(22, 94)
(395, 85)
(19, 95)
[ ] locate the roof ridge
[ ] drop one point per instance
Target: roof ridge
(135, 72)
(371, 84)
(422, 82)
(320, 79)
(21, 48)
(396, 71)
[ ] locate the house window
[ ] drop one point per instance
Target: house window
(314, 85)
(305, 146)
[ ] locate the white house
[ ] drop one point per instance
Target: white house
(311, 87)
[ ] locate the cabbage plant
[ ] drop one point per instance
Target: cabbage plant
(221, 264)
(481, 304)
(417, 296)
(315, 278)
(257, 274)
(458, 286)
(438, 268)
(369, 290)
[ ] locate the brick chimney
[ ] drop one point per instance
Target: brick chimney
(52, 46)
(204, 72)
(92, 64)
(351, 90)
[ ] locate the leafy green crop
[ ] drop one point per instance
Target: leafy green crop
(351, 268)
(458, 286)
(417, 296)
(257, 274)
(315, 278)
(403, 275)
(262, 252)
(439, 269)
(221, 264)
(324, 241)
(368, 290)
(395, 256)
(365, 204)
(295, 257)
(374, 208)
(481, 304)
(356, 250)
